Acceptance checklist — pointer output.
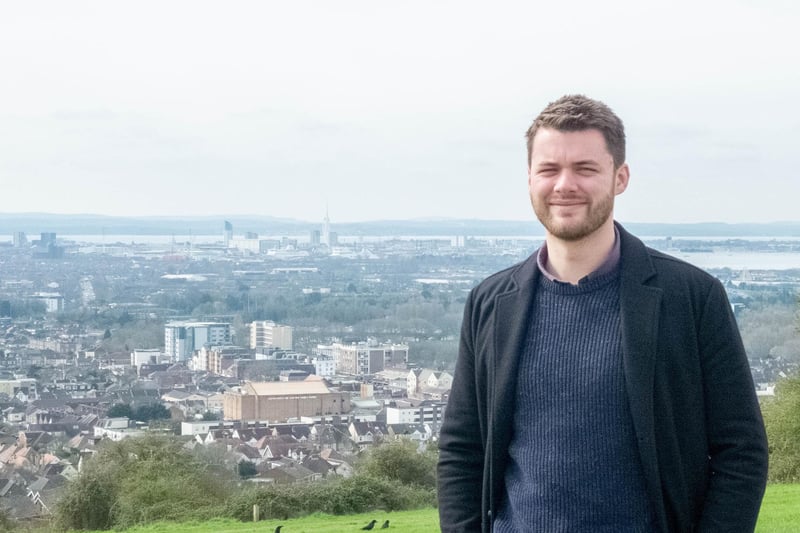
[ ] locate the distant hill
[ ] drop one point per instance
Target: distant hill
(716, 229)
(35, 223)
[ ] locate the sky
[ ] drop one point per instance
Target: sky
(378, 110)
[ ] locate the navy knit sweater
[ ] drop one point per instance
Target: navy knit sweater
(574, 465)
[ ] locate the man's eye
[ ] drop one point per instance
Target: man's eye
(586, 171)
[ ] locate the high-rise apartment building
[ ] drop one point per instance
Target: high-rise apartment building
(20, 239)
(326, 229)
(181, 339)
(47, 239)
(227, 235)
(268, 334)
(53, 301)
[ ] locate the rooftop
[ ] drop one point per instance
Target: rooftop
(282, 388)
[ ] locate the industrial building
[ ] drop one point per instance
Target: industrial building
(278, 401)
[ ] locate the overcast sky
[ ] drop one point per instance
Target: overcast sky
(390, 110)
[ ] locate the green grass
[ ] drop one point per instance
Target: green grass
(780, 513)
(421, 521)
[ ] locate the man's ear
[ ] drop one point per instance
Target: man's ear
(621, 177)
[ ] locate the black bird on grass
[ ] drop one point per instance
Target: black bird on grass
(278, 529)
(385, 525)
(370, 525)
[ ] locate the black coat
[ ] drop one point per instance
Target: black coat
(698, 425)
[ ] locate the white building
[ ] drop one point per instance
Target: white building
(361, 358)
(251, 245)
(116, 429)
(19, 388)
(181, 339)
(211, 358)
(268, 334)
(202, 427)
(326, 230)
(324, 367)
(408, 413)
(141, 357)
(53, 301)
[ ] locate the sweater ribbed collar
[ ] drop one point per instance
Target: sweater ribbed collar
(609, 265)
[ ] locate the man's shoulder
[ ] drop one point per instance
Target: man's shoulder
(507, 279)
(665, 263)
(667, 268)
(680, 279)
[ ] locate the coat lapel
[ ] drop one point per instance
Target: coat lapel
(512, 309)
(640, 309)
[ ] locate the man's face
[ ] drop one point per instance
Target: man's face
(572, 182)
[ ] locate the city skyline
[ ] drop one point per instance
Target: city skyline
(388, 112)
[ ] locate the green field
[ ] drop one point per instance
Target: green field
(421, 521)
(779, 514)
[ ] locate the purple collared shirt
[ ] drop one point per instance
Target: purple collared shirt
(611, 262)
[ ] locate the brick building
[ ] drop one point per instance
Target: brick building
(276, 401)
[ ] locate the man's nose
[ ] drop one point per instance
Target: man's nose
(566, 181)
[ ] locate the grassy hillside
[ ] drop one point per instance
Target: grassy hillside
(779, 514)
(421, 521)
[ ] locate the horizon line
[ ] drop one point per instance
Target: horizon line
(226, 217)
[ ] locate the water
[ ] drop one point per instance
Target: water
(735, 259)
(741, 260)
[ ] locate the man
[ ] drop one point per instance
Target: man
(600, 386)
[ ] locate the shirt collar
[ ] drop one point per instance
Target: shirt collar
(609, 264)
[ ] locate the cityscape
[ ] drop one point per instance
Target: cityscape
(292, 353)
(238, 243)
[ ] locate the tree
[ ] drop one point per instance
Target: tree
(767, 330)
(400, 461)
(246, 469)
(782, 418)
(140, 480)
(151, 411)
(119, 410)
(136, 334)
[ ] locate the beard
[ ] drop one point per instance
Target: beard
(579, 226)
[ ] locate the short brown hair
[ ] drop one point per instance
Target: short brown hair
(575, 112)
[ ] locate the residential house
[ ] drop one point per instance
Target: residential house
(331, 436)
(288, 471)
(245, 452)
(413, 432)
(340, 464)
(116, 429)
(427, 383)
(366, 433)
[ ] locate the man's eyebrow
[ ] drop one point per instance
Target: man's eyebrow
(585, 162)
